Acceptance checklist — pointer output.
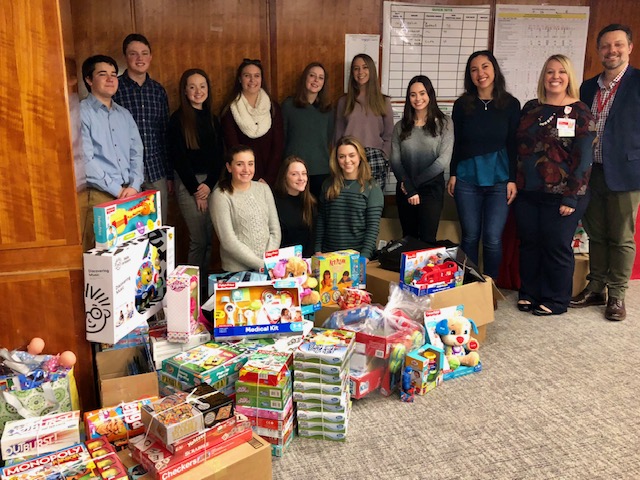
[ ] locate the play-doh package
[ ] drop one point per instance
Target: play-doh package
(255, 309)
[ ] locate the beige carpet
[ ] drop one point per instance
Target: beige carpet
(558, 399)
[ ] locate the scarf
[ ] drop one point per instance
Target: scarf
(253, 122)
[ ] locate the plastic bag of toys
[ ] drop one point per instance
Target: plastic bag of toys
(405, 304)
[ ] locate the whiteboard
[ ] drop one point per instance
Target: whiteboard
(435, 41)
(359, 43)
(526, 35)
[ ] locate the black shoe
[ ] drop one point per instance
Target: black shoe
(525, 305)
(542, 311)
(587, 298)
(615, 310)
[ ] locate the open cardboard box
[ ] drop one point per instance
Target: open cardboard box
(116, 384)
(477, 297)
(580, 273)
(249, 460)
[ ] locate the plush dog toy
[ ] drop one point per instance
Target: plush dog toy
(460, 346)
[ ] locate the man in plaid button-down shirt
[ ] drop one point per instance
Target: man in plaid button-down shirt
(147, 101)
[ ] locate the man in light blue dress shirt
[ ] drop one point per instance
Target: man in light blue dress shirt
(111, 142)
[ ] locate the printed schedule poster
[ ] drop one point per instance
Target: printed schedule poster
(526, 35)
(430, 40)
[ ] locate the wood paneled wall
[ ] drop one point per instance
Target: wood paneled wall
(41, 277)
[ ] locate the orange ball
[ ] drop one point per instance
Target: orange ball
(36, 346)
(67, 359)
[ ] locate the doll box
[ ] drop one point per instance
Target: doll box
(426, 367)
(207, 363)
(335, 271)
(256, 309)
(126, 285)
(124, 219)
(183, 301)
(428, 271)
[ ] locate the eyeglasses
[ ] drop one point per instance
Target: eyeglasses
(248, 61)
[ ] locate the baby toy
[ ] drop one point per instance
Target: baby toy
(149, 280)
(460, 346)
(407, 389)
(310, 296)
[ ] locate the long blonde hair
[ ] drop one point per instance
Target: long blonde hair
(375, 101)
(337, 177)
(572, 87)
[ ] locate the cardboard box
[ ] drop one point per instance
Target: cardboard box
(119, 221)
(580, 273)
(250, 460)
(126, 285)
(477, 297)
(183, 300)
(116, 384)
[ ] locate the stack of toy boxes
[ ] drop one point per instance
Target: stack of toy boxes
(161, 348)
(263, 393)
(429, 271)
(335, 272)
(321, 384)
(210, 363)
(183, 303)
(186, 429)
(441, 317)
(95, 459)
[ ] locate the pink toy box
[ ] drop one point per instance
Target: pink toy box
(429, 271)
(124, 219)
(256, 309)
(126, 285)
(183, 301)
(335, 272)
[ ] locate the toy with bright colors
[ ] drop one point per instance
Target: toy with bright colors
(460, 347)
(335, 272)
(287, 263)
(183, 303)
(124, 219)
(425, 367)
(428, 271)
(256, 309)
(407, 389)
(126, 285)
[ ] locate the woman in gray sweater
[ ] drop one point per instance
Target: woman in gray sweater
(421, 149)
(244, 214)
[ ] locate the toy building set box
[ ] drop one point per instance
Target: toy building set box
(256, 309)
(126, 285)
(119, 221)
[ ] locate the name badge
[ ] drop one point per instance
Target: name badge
(566, 127)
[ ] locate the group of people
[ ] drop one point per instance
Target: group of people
(264, 176)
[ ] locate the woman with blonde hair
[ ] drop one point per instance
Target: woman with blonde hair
(350, 204)
(555, 150)
(366, 114)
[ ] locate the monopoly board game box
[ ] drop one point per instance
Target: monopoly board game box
(124, 219)
(126, 285)
(256, 309)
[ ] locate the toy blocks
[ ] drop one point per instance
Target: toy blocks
(428, 271)
(183, 303)
(126, 285)
(121, 220)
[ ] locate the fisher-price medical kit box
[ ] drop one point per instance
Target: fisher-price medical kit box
(335, 272)
(121, 220)
(126, 285)
(256, 309)
(429, 271)
(183, 301)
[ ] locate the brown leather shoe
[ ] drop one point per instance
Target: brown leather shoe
(587, 298)
(615, 310)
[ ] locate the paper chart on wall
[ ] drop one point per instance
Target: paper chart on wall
(431, 40)
(359, 43)
(526, 35)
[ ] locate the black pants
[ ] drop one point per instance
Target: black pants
(546, 252)
(421, 221)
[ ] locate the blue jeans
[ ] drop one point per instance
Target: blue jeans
(483, 213)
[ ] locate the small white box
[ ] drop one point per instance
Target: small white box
(183, 302)
(126, 285)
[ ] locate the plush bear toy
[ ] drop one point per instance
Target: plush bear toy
(460, 346)
(310, 295)
(296, 267)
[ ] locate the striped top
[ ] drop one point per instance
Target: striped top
(351, 220)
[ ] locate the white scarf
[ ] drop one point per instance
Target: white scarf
(253, 122)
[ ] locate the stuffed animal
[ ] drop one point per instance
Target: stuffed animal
(296, 267)
(460, 346)
(310, 295)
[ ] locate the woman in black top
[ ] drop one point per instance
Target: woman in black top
(296, 205)
(196, 151)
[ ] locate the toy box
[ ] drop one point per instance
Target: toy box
(362, 383)
(255, 309)
(270, 423)
(335, 272)
(183, 302)
(39, 435)
(117, 424)
(210, 436)
(235, 277)
(429, 271)
(250, 390)
(266, 413)
(124, 219)
(126, 285)
(271, 368)
(426, 367)
(326, 347)
(207, 363)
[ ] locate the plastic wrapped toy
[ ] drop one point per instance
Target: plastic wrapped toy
(460, 347)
